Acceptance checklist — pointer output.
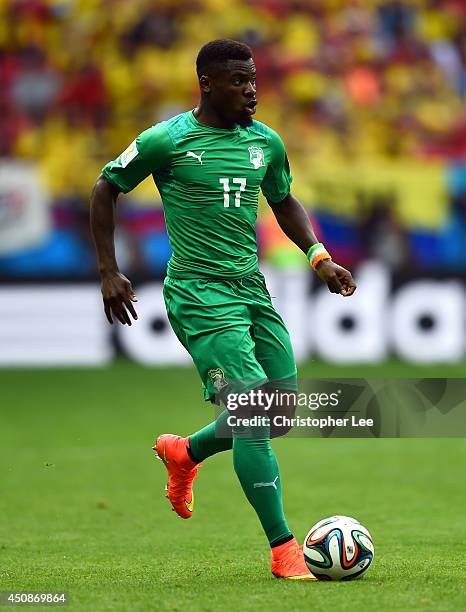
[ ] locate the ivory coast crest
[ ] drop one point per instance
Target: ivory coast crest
(256, 156)
(217, 376)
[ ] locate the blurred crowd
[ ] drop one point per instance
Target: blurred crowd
(354, 84)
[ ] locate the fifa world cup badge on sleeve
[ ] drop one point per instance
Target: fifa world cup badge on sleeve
(129, 154)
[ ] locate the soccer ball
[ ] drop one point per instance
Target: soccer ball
(338, 548)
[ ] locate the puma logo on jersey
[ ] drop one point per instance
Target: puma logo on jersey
(273, 484)
(198, 157)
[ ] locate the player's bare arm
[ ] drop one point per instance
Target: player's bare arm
(294, 221)
(117, 292)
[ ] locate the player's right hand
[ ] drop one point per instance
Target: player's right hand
(118, 297)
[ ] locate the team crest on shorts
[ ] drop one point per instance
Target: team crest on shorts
(217, 376)
(256, 156)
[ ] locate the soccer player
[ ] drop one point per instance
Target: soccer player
(209, 165)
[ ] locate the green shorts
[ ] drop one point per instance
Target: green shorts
(231, 330)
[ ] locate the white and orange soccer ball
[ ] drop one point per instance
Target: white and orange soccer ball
(338, 548)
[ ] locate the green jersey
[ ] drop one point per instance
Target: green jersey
(209, 181)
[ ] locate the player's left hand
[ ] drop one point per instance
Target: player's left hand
(338, 279)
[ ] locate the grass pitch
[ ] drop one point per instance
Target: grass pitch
(82, 507)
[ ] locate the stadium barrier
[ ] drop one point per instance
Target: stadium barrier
(417, 319)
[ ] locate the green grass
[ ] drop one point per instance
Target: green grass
(82, 506)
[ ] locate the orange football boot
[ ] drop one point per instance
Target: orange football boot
(182, 470)
(287, 561)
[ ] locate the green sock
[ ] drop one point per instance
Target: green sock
(257, 469)
(208, 441)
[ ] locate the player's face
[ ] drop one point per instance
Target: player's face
(233, 91)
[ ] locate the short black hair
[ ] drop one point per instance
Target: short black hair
(220, 51)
